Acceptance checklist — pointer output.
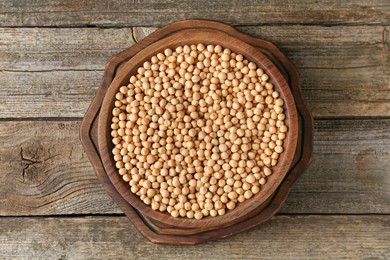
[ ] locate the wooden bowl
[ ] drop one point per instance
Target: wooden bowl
(164, 234)
(243, 210)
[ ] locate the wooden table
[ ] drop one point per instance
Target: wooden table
(52, 57)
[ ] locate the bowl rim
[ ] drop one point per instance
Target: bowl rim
(181, 38)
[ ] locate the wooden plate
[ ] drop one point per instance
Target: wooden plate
(180, 38)
(89, 135)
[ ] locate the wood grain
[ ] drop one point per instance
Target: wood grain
(50, 49)
(349, 155)
(341, 50)
(347, 237)
(317, 47)
(47, 94)
(349, 172)
(351, 64)
(44, 170)
(343, 70)
(159, 12)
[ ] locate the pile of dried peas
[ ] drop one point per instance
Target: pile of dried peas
(197, 130)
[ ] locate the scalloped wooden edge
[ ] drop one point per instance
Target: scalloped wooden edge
(88, 132)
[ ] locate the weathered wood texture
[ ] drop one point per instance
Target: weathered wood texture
(344, 70)
(45, 170)
(283, 237)
(158, 12)
(350, 169)
(54, 72)
(52, 49)
(52, 59)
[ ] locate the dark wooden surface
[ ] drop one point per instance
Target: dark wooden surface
(52, 57)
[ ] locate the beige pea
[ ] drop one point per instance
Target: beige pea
(248, 194)
(175, 213)
(283, 129)
(250, 179)
(198, 215)
(279, 149)
(255, 189)
(221, 212)
(267, 171)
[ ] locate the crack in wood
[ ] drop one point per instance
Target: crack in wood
(386, 42)
(133, 36)
(30, 162)
(26, 163)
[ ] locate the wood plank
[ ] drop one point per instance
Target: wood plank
(316, 47)
(47, 93)
(350, 169)
(47, 49)
(159, 12)
(320, 47)
(45, 170)
(344, 70)
(313, 237)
